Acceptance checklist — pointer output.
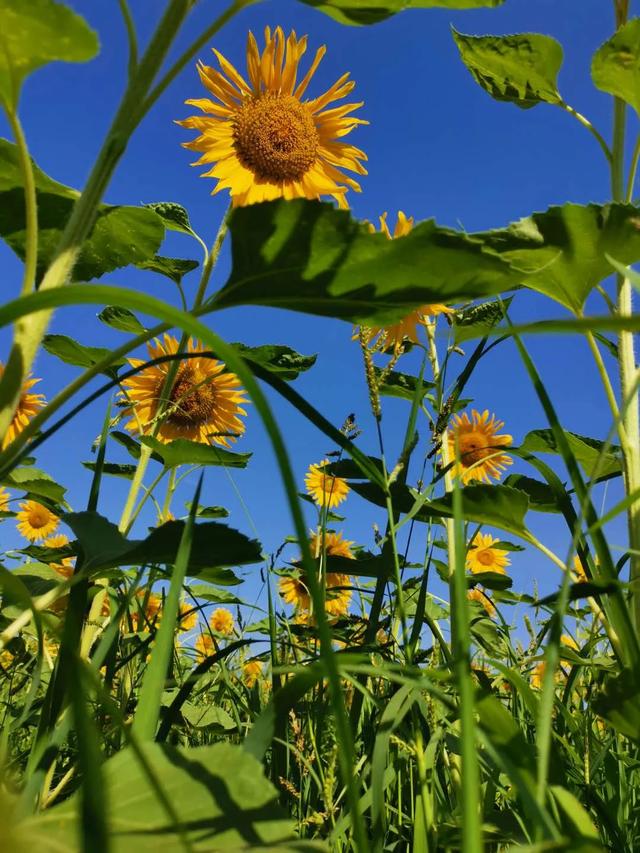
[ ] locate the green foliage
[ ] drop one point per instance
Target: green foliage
(32, 35)
(521, 69)
(395, 384)
(172, 268)
(181, 451)
(120, 236)
(616, 65)
(587, 451)
(121, 319)
(361, 12)
(79, 355)
(35, 483)
(212, 796)
(281, 360)
(308, 256)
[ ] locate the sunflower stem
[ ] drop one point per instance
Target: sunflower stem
(30, 203)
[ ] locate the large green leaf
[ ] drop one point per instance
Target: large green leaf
(218, 793)
(521, 69)
(586, 450)
(403, 385)
(562, 252)
(308, 256)
(35, 483)
(281, 360)
(616, 65)
(77, 354)
(373, 11)
(121, 319)
(34, 33)
(185, 452)
(214, 545)
(120, 235)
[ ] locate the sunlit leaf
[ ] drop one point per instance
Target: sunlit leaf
(34, 33)
(172, 268)
(362, 12)
(218, 794)
(308, 256)
(522, 69)
(173, 215)
(477, 320)
(121, 319)
(181, 451)
(282, 360)
(120, 236)
(616, 65)
(77, 354)
(563, 251)
(586, 450)
(35, 483)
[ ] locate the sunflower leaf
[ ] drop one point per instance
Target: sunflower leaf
(283, 360)
(35, 483)
(307, 256)
(362, 12)
(114, 469)
(173, 215)
(401, 385)
(184, 452)
(521, 69)
(121, 319)
(77, 354)
(34, 33)
(564, 251)
(490, 580)
(587, 451)
(214, 545)
(218, 792)
(541, 496)
(172, 268)
(616, 65)
(120, 236)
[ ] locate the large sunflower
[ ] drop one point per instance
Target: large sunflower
(203, 405)
(483, 557)
(324, 488)
(262, 140)
(28, 405)
(384, 337)
(479, 447)
(35, 521)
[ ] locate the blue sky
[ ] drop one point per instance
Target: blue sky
(438, 147)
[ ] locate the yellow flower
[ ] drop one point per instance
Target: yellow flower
(261, 140)
(334, 544)
(6, 659)
(326, 490)
(35, 521)
(294, 591)
(337, 595)
(482, 599)
(187, 616)
(203, 405)
(64, 568)
(579, 575)
(221, 621)
(149, 617)
(4, 499)
(383, 337)
(569, 642)
(204, 646)
(28, 406)
(479, 447)
(251, 672)
(483, 557)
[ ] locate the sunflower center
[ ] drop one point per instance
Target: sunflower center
(473, 448)
(275, 137)
(192, 401)
(38, 518)
(485, 558)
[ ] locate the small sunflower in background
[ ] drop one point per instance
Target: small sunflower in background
(295, 591)
(148, 613)
(35, 521)
(406, 329)
(325, 489)
(261, 140)
(187, 616)
(65, 566)
(251, 672)
(28, 405)
(482, 556)
(4, 499)
(204, 646)
(204, 405)
(479, 447)
(221, 621)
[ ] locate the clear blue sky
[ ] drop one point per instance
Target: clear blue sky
(438, 147)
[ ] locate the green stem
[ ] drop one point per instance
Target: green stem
(631, 180)
(30, 204)
(586, 123)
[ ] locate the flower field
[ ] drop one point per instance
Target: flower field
(381, 596)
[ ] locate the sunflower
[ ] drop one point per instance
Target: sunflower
(28, 405)
(383, 337)
(4, 499)
(337, 595)
(187, 616)
(65, 567)
(251, 672)
(35, 521)
(204, 645)
(483, 557)
(479, 447)
(148, 612)
(221, 621)
(334, 544)
(203, 404)
(261, 140)
(568, 641)
(294, 591)
(483, 599)
(579, 574)
(326, 490)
